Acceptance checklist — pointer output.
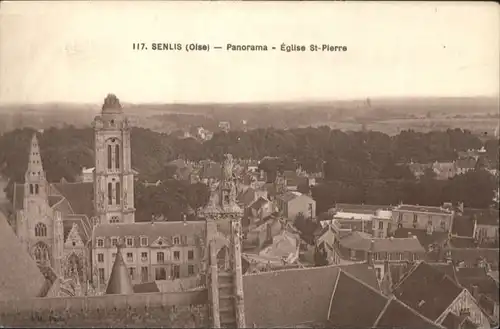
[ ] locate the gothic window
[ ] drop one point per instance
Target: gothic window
(117, 156)
(36, 188)
(118, 193)
(31, 189)
(110, 193)
(41, 252)
(40, 229)
(109, 157)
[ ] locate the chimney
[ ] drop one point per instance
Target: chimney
(475, 292)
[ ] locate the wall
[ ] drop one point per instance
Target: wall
(466, 301)
(186, 309)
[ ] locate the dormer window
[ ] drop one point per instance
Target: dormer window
(177, 240)
(114, 242)
(130, 242)
(144, 241)
(100, 243)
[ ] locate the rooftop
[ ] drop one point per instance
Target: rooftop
(422, 209)
(363, 241)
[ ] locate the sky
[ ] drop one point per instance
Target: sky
(80, 51)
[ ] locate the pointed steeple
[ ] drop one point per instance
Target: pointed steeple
(35, 171)
(119, 281)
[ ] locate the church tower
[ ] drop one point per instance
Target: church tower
(113, 176)
(35, 226)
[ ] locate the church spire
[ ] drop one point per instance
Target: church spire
(119, 281)
(35, 168)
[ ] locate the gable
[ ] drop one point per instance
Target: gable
(160, 242)
(398, 315)
(74, 237)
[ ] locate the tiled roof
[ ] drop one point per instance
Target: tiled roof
(426, 240)
(427, 290)
(360, 208)
(398, 315)
(463, 226)
(423, 209)
(54, 199)
(288, 297)
(363, 241)
(20, 277)
(79, 195)
(469, 277)
(345, 307)
(448, 269)
(151, 230)
(289, 196)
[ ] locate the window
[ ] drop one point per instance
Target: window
(114, 242)
(190, 269)
(400, 217)
(380, 225)
(109, 156)
(40, 229)
(176, 273)
(101, 275)
(100, 258)
(415, 218)
(160, 257)
(177, 255)
(118, 192)
(110, 193)
(144, 274)
(144, 256)
(160, 274)
(131, 271)
(443, 224)
(100, 243)
(117, 156)
(31, 189)
(190, 255)
(144, 241)
(379, 273)
(130, 242)
(114, 219)
(36, 188)
(130, 257)
(176, 240)
(41, 252)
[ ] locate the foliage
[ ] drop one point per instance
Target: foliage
(307, 227)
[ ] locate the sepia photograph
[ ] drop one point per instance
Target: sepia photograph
(249, 164)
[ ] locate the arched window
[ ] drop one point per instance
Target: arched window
(118, 193)
(41, 253)
(109, 156)
(117, 156)
(36, 189)
(40, 229)
(110, 193)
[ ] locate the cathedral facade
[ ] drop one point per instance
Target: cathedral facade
(55, 221)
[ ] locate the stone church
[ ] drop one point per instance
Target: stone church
(55, 221)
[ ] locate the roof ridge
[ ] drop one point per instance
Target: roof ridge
(292, 269)
(333, 294)
(413, 269)
(386, 306)
(64, 197)
(60, 200)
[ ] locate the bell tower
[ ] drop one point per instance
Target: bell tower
(113, 175)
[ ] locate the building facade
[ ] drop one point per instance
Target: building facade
(432, 219)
